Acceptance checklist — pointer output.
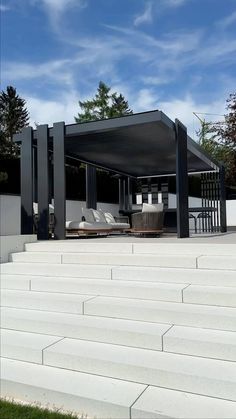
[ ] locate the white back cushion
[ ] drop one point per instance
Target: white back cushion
(88, 214)
(153, 207)
(99, 216)
(109, 217)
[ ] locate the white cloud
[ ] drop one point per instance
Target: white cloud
(183, 108)
(175, 3)
(56, 71)
(43, 111)
(228, 20)
(146, 16)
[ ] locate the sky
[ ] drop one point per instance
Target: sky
(178, 56)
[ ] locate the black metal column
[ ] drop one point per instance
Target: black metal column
(181, 180)
(43, 182)
(59, 180)
(129, 193)
(35, 174)
(121, 193)
(27, 180)
(91, 187)
(223, 222)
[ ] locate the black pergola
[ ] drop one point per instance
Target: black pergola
(135, 146)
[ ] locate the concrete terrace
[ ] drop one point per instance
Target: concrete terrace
(122, 327)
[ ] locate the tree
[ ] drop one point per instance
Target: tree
(13, 117)
(219, 141)
(228, 131)
(104, 105)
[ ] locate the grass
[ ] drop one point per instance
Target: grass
(11, 410)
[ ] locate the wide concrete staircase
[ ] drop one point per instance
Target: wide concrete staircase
(121, 330)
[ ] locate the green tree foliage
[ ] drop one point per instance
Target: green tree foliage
(219, 140)
(13, 117)
(104, 105)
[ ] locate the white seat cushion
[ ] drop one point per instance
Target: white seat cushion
(152, 207)
(119, 225)
(84, 225)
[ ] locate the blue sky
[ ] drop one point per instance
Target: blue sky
(174, 55)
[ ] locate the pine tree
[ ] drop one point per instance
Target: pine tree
(13, 117)
(104, 105)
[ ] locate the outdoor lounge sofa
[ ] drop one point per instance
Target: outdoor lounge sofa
(95, 222)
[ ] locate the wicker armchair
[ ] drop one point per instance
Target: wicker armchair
(148, 221)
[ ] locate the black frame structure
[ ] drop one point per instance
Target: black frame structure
(136, 146)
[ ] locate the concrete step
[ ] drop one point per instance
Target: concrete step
(217, 262)
(223, 318)
(127, 289)
(196, 294)
(212, 295)
(101, 329)
(181, 261)
(39, 269)
(133, 247)
(80, 247)
(103, 398)
(196, 249)
(208, 343)
(193, 276)
(15, 282)
(63, 303)
(203, 376)
(25, 346)
(159, 403)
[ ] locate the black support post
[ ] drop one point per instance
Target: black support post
(27, 180)
(59, 180)
(181, 180)
(91, 187)
(129, 193)
(121, 193)
(43, 183)
(223, 222)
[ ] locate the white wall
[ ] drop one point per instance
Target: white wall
(10, 212)
(192, 201)
(12, 244)
(231, 213)
(9, 215)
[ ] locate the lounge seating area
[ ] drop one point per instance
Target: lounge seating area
(96, 222)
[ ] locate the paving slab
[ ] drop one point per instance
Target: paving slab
(210, 343)
(223, 318)
(25, 346)
(80, 247)
(103, 398)
(183, 248)
(175, 275)
(160, 403)
(14, 282)
(212, 295)
(117, 331)
(208, 377)
(217, 262)
(66, 303)
(186, 261)
(39, 269)
(127, 289)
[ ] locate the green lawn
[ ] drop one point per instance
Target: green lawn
(9, 410)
